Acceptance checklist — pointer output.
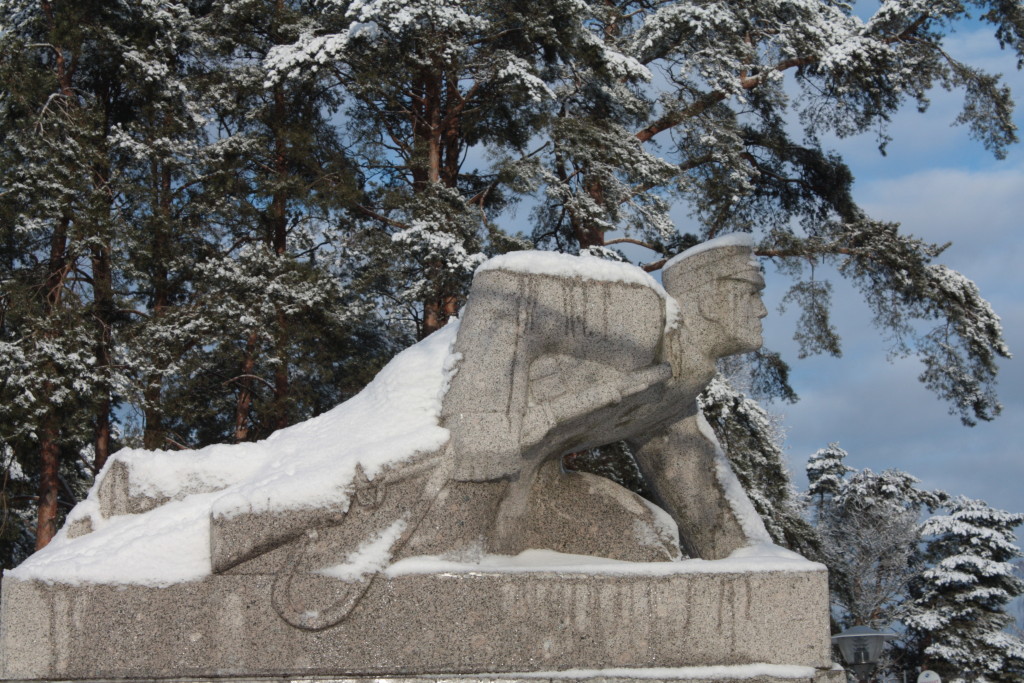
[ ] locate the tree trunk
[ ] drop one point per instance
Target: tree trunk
(101, 433)
(52, 299)
(587, 233)
(244, 403)
(452, 139)
(432, 125)
(103, 297)
(279, 242)
(436, 130)
(154, 434)
(49, 429)
(437, 313)
(431, 319)
(49, 482)
(282, 415)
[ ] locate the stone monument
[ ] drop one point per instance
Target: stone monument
(426, 529)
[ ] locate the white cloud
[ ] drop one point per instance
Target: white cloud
(972, 208)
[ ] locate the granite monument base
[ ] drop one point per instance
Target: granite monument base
(476, 624)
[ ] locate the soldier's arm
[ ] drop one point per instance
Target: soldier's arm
(679, 464)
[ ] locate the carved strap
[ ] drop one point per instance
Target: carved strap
(313, 619)
(367, 494)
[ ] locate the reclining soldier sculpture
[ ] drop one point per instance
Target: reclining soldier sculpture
(540, 377)
(553, 354)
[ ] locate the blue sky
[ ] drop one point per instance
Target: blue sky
(941, 186)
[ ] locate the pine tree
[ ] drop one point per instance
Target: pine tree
(16, 515)
(616, 148)
(826, 474)
(714, 132)
(73, 73)
(426, 82)
(958, 612)
(287, 179)
(132, 184)
(243, 271)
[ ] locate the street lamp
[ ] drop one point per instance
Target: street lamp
(861, 647)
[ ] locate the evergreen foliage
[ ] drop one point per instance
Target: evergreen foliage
(826, 474)
(949, 581)
(870, 532)
(958, 610)
(711, 132)
(173, 252)
(425, 81)
(614, 461)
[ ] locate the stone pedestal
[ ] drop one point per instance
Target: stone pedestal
(438, 625)
(688, 675)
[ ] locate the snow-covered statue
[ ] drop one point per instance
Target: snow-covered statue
(432, 509)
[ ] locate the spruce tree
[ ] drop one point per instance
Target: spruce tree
(958, 612)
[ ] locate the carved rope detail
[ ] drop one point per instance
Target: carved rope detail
(368, 494)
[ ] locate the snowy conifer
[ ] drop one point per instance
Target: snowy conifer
(714, 131)
(76, 76)
(826, 473)
(958, 613)
(870, 534)
(426, 82)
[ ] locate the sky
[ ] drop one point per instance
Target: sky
(941, 186)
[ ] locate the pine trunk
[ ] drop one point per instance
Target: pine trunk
(431, 319)
(438, 130)
(154, 435)
(282, 417)
(279, 242)
(245, 396)
(49, 431)
(49, 482)
(103, 293)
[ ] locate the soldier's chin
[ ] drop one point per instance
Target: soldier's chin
(753, 343)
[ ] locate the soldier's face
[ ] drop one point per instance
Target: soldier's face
(738, 309)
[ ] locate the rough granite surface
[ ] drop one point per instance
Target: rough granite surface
(452, 623)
